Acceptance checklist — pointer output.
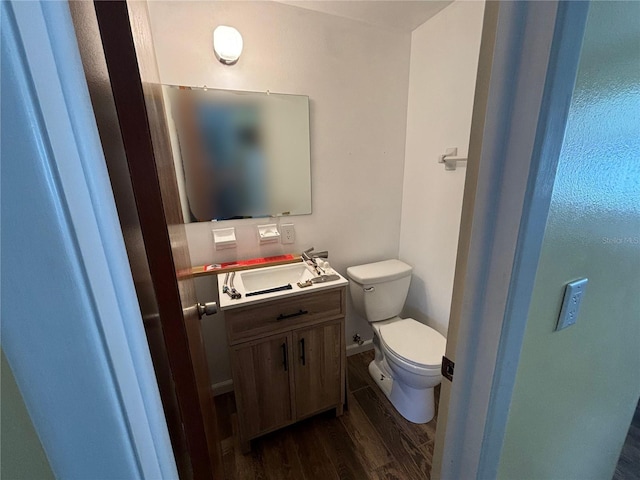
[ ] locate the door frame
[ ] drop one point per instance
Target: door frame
(124, 31)
(83, 366)
(528, 64)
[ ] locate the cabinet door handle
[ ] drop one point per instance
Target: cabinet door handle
(285, 360)
(302, 354)
(282, 316)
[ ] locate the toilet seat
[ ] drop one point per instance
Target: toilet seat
(414, 343)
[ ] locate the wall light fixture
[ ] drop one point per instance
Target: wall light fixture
(227, 44)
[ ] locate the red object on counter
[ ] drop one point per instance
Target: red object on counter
(247, 263)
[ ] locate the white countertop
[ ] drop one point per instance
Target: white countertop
(297, 272)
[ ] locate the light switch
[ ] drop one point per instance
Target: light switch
(573, 294)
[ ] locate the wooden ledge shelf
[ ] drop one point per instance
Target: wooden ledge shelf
(235, 266)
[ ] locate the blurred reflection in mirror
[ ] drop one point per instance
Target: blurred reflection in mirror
(240, 154)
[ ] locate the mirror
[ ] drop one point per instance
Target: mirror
(239, 154)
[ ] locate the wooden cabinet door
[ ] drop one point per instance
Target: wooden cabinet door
(317, 370)
(262, 384)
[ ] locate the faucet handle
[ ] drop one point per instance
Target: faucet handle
(305, 255)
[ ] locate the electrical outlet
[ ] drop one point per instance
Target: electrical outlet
(287, 233)
(573, 294)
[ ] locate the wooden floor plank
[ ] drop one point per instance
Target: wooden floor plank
(422, 456)
(428, 430)
(358, 370)
(279, 459)
(366, 440)
(391, 471)
(419, 433)
(238, 465)
(340, 447)
(404, 449)
(314, 459)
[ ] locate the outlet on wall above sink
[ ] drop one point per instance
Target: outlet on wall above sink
(287, 233)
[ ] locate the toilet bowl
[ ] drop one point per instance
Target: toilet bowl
(408, 354)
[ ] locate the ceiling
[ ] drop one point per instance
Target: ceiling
(401, 15)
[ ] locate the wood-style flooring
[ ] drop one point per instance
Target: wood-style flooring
(370, 441)
(628, 467)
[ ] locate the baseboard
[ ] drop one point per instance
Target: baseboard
(222, 387)
(355, 348)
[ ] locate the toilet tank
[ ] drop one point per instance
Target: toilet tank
(379, 289)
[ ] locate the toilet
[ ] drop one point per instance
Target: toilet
(408, 354)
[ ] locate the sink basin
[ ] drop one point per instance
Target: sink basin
(257, 280)
(264, 278)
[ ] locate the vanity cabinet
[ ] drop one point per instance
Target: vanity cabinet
(318, 368)
(262, 384)
(287, 359)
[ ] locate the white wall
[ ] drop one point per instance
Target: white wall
(444, 60)
(356, 77)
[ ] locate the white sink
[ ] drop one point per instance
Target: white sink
(265, 278)
(256, 280)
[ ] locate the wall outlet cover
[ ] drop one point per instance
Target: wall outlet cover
(287, 233)
(573, 294)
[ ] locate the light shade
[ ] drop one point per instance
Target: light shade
(227, 44)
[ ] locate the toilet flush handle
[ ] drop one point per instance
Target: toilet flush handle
(369, 289)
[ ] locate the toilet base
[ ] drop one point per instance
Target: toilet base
(416, 405)
(382, 378)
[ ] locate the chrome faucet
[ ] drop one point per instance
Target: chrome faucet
(309, 257)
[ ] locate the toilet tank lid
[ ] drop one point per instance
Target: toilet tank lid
(379, 272)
